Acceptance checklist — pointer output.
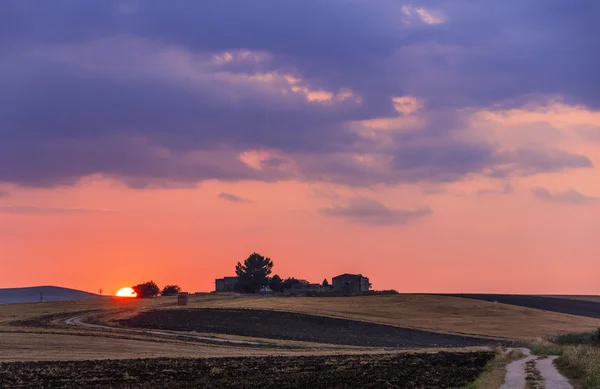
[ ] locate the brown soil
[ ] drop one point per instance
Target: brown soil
(295, 326)
(442, 370)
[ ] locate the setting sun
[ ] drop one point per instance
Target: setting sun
(126, 292)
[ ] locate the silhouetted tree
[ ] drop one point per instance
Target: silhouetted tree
(254, 273)
(170, 290)
(287, 284)
(147, 289)
(325, 283)
(276, 284)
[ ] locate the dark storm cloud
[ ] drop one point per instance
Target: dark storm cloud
(233, 198)
(368, 211)
(81, 80)
(570, 196)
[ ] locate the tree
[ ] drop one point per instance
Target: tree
(146, 290)
(254, 273)
(276, 283)
(287, 284)
(170, 290)
(325, 283)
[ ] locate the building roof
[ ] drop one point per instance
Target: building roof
(349, 275)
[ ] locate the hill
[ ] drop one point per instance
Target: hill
(43, 293)
(588, 307)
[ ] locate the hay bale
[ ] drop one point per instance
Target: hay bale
(182, 298)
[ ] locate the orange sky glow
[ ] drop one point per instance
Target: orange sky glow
(480, 236)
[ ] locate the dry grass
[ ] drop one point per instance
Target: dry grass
(12, 312)
(495, 372)
(582, 363)
(428, 312)
(55, 347)
(434, 313)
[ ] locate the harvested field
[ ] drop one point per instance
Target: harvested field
(45, 322)
(440, 371)
(571, 306)
(434, 313)
(294, 326)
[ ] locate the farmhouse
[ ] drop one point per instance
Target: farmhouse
(305, 288)
(225, 284)
(350, 283)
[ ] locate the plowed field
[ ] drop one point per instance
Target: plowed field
(440, 371)
(295, 326)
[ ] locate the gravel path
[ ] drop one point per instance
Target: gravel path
(515, 371)
(516, 375)
(552, 378)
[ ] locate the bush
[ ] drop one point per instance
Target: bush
(582, 362)
(573, 339)
(578, 338)
(170, 290)
(379, 292)
(147, 289)
(341, 293)
(545, 347)
(595, 338)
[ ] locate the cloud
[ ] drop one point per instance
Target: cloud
(4, 193)
(35, 210)
(506, 189)
(570, 196)
(372, 212)
(233, 198)
(156, 93)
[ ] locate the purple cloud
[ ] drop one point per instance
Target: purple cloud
(372, 212)
(507, 188)
(233, 198)
(156, 93)
(570, 196)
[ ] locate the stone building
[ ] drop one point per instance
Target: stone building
(350, 283)
(225, 284)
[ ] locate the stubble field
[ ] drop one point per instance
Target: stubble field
(359, 340)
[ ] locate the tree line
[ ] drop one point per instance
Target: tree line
(150, 289)
(255, 274)
(252, 275)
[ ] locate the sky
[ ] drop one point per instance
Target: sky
(433, 146)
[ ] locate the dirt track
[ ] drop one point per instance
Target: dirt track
(294, 326)
(77, 321)
(549, 377)
(553, 304)
(440, 371)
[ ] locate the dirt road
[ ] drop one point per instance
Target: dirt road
(540, 370)
(77, 321)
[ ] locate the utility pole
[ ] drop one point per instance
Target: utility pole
(100, 291)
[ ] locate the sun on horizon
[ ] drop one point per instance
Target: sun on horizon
(126, 292)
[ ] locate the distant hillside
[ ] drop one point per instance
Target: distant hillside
(560, 304)
(48, 293)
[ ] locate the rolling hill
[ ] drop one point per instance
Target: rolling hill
(561, 304)
(42, 293)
